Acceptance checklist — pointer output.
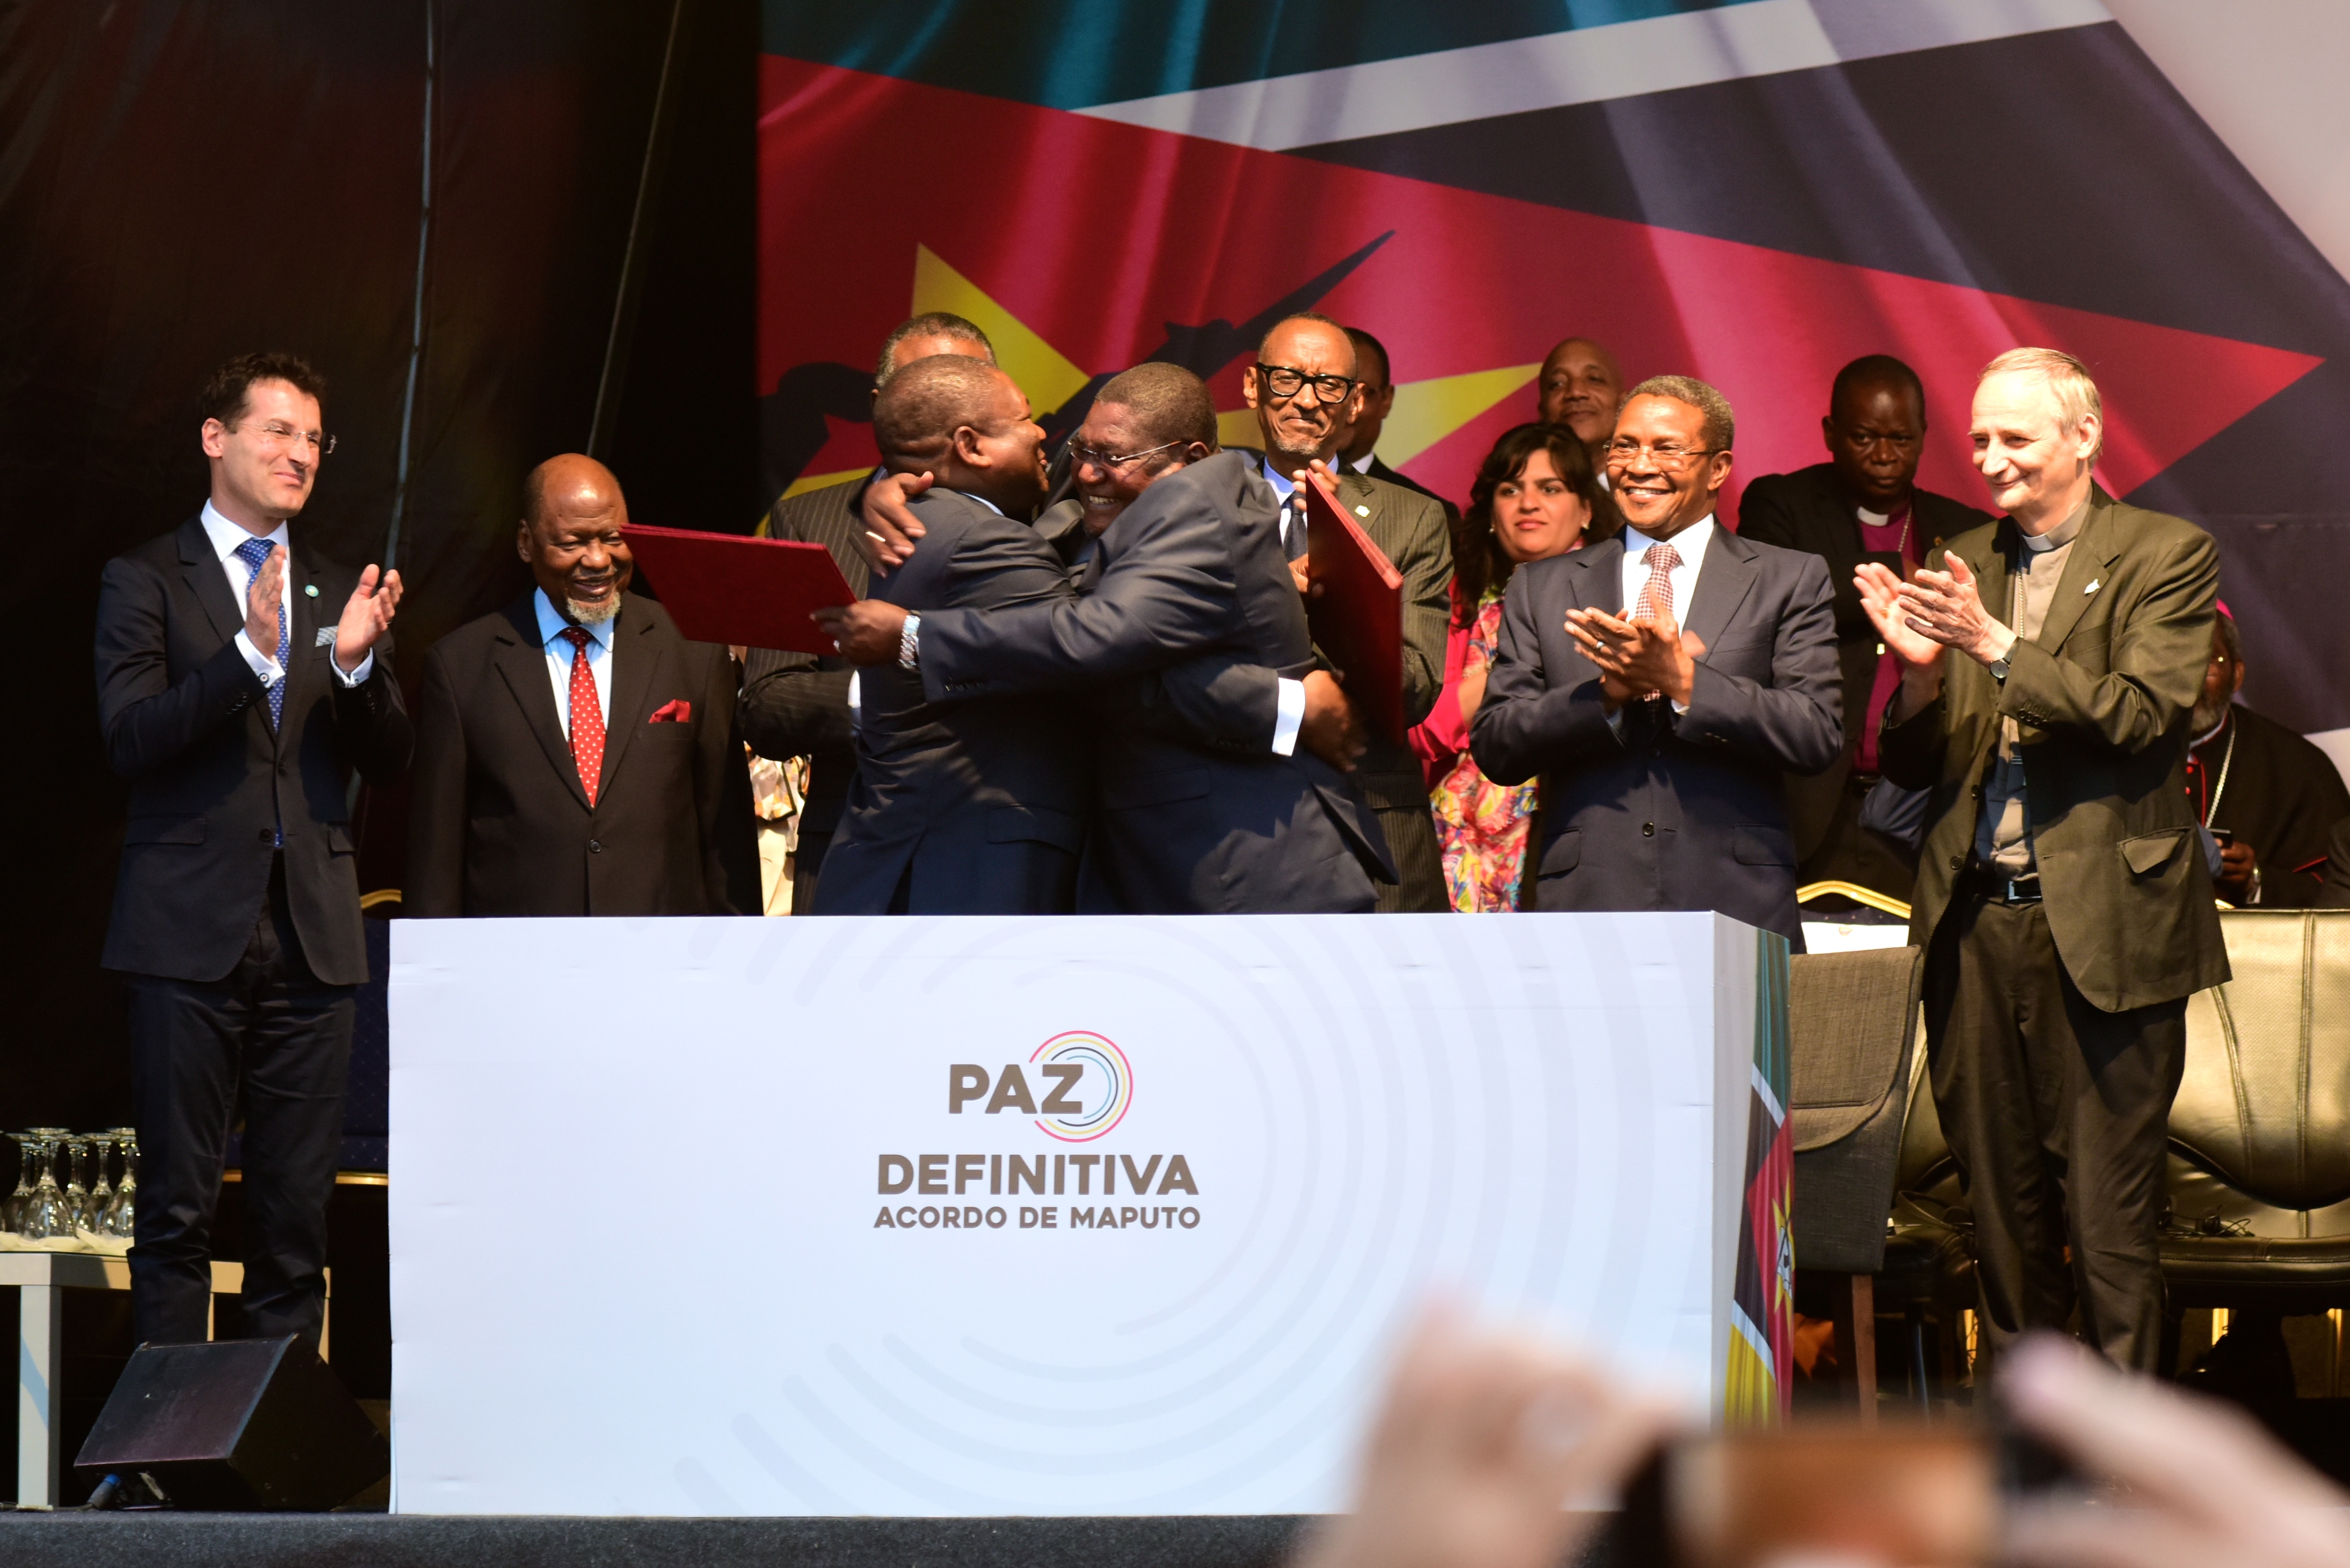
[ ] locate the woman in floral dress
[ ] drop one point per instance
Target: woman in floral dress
(1535, 496)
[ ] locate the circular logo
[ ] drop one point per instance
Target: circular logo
(1100, 1097)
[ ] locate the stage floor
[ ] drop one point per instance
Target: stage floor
(159, 1540)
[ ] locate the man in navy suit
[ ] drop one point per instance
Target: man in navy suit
(240, 682)
(978, 807)
(1663, 730)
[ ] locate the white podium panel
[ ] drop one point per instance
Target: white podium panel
(1110, 1216)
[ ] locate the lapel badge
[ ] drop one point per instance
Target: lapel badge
(1362, 512)
(310, 590)
(2095, 584)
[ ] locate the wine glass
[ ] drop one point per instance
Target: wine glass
(101, 1190)
(76, 1165)
(122, 1215)
(46, 1215)
(24, 1180)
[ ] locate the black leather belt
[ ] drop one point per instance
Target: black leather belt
(2023, 889)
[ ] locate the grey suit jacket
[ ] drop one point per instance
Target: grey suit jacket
(1409, 527)
(796, 704)
(1686, 813)
(1191, 571)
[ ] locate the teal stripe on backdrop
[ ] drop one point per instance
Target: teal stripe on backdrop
(1074, 54)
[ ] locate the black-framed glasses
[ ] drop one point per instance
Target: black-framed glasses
(1622, 453)
(279, 434)
(1078, 454)
(1285, 381)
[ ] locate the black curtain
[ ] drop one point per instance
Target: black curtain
(182, 182)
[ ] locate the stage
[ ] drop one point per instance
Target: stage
(400, 1541)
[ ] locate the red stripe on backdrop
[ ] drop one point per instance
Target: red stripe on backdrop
(1097, 235)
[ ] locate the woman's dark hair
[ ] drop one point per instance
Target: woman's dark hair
(1479, 561)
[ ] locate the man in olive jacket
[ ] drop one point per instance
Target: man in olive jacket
(2062, 895)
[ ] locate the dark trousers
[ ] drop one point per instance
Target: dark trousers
(1411, 839)
(2058, 1114)
(272, 1029)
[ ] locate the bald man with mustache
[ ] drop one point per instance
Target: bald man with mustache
(575, 754)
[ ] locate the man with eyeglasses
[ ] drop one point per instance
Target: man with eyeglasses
(240, 682)
(1305, 391)
(1182, 639)
(1661, 681)
(1862, 503)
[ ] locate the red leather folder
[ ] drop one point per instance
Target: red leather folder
(725, 587)
(1356, 610)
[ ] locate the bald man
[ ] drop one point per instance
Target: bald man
(575, 755)
(1580, 388)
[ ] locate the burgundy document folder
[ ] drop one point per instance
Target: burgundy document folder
(1357, 612)
(725, 587)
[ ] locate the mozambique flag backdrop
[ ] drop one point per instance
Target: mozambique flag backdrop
(1753, 193)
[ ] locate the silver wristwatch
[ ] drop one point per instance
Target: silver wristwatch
(909, 647)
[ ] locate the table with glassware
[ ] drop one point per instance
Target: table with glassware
(61, 1235)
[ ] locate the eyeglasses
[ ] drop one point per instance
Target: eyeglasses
(1081, 454)
(1622, 453)
(1285, 381)
(278, 433)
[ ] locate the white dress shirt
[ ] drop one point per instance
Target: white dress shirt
(1690, 544)
(225, 538)
(560, 653)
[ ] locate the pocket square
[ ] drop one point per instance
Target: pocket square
(326, 633)
(677, 710)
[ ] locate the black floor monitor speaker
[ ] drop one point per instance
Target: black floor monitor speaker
(237, 1424)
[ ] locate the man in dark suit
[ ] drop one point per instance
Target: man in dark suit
(236, 711)
(1191, 637)
(1661, 731)
(1305, 388)
(1864, 503)
(575, 754)
(2269, 795)
(975, 806)
(1356, 455)
(2049, 663)
(795, 704)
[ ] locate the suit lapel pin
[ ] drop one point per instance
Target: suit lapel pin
(1362, 512)
(310, 590)
(2094, 583)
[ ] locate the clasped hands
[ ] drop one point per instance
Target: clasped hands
(366, 614)
(1647, 656)
(1931, 611)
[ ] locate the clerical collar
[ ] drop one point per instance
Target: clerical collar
(2214, 732)
(2063, 534)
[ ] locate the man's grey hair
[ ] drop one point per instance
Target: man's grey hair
(1721, 427)
(929, 324)
(2075, 389)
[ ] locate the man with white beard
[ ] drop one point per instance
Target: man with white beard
(576, 755)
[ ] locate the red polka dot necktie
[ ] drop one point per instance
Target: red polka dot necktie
(1657, 593)
(587, 715)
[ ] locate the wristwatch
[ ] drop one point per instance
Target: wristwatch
(1999, 670)
(908, 644)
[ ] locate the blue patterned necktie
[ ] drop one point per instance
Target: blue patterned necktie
(254, 554)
